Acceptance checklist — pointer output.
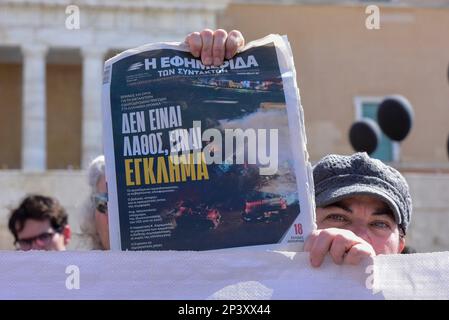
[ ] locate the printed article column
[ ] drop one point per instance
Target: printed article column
(92, 145)
(34, 155)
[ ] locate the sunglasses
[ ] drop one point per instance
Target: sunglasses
(101, 202)
(43, 239)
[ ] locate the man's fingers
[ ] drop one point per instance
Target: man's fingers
(320, 248)
(218, 49)
(214, 47)
(308, 245)
(207, 37)
(343, 246)
(234, 42)
(357, 253)
(338, 249)
(195, 43)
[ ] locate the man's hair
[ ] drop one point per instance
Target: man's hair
(41, 208)
(95, 171)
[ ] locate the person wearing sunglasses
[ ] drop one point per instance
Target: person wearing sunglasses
(39, 223)
(95, 223)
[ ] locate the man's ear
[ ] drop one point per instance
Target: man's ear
(66, 232)
(401, 244)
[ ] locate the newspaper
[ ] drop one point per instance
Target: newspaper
(202, 157)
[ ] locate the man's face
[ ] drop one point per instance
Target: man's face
(39, 235)
(366, 216)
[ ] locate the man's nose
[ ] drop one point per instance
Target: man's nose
(360, 230)
(38, 245)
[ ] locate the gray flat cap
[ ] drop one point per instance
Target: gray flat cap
(337, 177)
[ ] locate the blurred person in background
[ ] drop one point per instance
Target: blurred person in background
(95, 222)
(39, 223)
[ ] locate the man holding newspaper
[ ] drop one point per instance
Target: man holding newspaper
(363, 206)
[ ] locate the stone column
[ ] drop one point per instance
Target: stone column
(34, 155)
(92, 143)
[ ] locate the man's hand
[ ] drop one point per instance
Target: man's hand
(343, 246)
(214, 46)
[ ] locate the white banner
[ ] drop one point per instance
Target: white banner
(222, 274)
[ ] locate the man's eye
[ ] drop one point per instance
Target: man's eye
(336, 217)
(381, 224)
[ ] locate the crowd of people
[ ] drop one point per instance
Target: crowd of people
(363, 205)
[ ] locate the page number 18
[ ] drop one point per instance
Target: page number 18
(298, 228)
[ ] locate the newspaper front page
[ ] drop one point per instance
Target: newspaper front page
(202, 157)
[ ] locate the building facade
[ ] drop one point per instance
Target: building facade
(51, 69)
(344, 68)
